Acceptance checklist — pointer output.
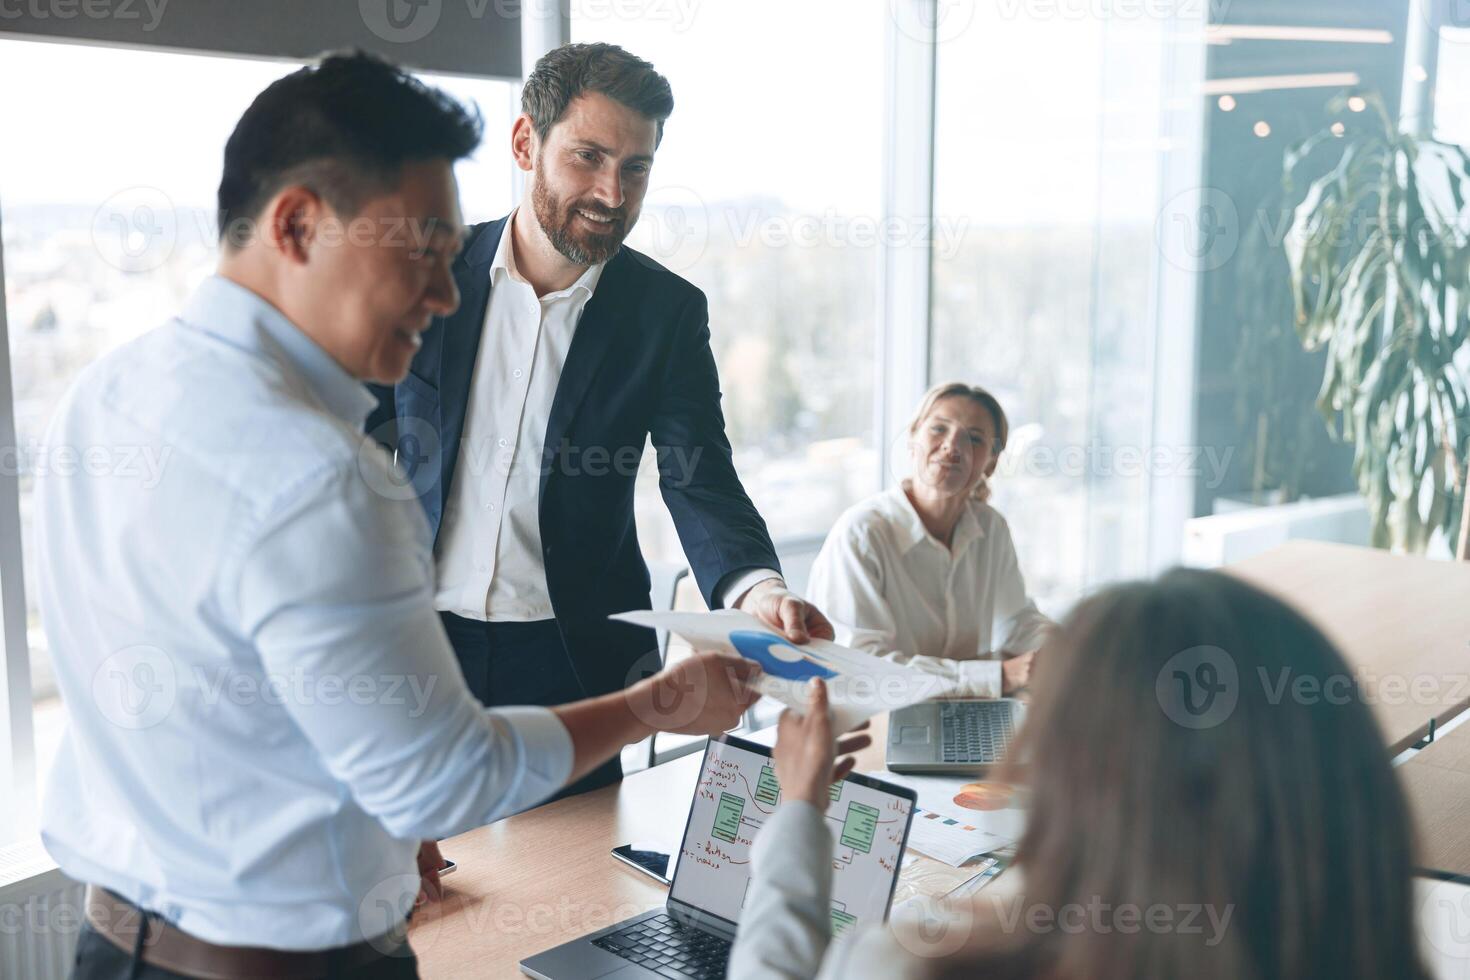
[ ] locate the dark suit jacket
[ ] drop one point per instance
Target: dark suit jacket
(639, 365)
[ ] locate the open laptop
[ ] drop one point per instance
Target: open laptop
(960, 737)
(691, 935)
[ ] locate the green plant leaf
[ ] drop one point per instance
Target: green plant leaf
(1380, 277)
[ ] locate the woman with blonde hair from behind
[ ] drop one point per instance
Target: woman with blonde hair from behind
(926, 573)
(1192, 813)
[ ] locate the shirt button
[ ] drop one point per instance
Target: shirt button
(503, 443)
(519, 373)
(483, 567)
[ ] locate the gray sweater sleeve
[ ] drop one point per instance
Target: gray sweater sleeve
(787, 921)
(785, 929)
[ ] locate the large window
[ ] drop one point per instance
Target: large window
(1452, 86)
(1046, 156)
(109, 225)
(766, 195)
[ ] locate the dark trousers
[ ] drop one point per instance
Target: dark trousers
(508, 664)
(98, 959)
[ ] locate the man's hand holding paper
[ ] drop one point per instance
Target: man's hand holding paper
(859, 684)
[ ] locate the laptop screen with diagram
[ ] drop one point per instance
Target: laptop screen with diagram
(738, 791)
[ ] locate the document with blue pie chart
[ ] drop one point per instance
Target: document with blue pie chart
(859, 684)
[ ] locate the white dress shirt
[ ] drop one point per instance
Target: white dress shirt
(490, 561)
(491, 566)
(893, 590)
(265, 714)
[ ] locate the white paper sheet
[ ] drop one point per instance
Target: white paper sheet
(859, 685)
(949, 839)
(957, 832)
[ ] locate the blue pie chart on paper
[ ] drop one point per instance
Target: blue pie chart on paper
(777, 657)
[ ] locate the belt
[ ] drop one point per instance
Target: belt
(165, 946)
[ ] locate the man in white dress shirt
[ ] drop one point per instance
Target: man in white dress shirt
(265, 714)
(524, 416)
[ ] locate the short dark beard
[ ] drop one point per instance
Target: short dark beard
(556, 220)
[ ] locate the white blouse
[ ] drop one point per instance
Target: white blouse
(893, 590)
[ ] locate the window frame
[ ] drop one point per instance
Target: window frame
(549, 27)
(17, 732)
(907, 269)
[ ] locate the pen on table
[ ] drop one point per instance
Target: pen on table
(988, 872)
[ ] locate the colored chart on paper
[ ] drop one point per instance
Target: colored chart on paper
(777, 657)
(841, 921)
(985, 796)
(854, 678)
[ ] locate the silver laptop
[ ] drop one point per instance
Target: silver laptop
(691, 935)
(969, 737)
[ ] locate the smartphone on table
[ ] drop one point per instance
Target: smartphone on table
(648, 858)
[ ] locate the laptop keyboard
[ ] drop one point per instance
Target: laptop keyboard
(975, 731)
(669, 949)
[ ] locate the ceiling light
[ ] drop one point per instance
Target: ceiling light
(1272, 83)
(1269, 32)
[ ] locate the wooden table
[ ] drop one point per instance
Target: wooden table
(1402, 622)
(1438, 783)
(545, 876)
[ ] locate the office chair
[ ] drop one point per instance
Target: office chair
(666, 577)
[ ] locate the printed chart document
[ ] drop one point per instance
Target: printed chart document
(958, 819)
(859, 685)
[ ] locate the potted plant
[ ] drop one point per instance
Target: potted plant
(1280, 435)
(1379, 252)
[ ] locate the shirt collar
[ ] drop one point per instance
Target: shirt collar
(504, 263)
(912, 531)
(244, 319)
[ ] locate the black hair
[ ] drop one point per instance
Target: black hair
(344, 127)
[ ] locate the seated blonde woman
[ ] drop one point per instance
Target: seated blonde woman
(926, 573)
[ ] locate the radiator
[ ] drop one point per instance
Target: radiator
(1221, 539)
(40, 915)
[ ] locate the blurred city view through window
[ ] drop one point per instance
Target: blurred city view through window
(111, 226)
(1047, 300)
(1042, 245)
(767, 193)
